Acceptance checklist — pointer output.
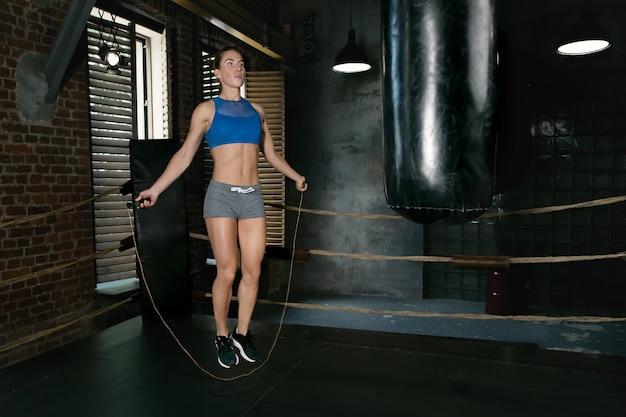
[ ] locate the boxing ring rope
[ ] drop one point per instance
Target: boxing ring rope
(52, 330)
(198, 295)
(464, 261)
(69, 207)
(461, 259)
(538, 210)
(93, 314)
(458, 260)
(319, 252)
(39, 216)
(60, 267)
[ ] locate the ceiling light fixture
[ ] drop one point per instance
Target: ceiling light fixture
(584, 37)
(351, 59)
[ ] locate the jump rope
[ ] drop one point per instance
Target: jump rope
(177, 340)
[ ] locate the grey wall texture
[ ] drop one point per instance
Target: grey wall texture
(334, 138)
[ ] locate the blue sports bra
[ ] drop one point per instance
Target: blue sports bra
(234, 122)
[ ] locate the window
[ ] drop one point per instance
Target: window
(267, 89)
(124, 104)
(151, 92)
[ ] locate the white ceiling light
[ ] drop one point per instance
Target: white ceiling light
(583, 47)
(351, 58)
(586, 36)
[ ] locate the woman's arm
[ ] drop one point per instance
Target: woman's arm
(276, 160)
(180, 161)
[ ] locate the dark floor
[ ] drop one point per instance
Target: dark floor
(136, 369)
(550, 331)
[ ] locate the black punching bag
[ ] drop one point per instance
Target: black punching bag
(162, 235)
(439, 94)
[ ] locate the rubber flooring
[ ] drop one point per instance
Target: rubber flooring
(136, 368)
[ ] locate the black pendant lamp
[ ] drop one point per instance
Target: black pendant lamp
(351, 58)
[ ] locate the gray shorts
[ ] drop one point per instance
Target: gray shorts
(223, 200)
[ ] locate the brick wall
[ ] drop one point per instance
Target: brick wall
(44, 165)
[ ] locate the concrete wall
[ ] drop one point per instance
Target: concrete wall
(334, 137)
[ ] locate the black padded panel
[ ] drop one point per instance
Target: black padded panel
(161, 232)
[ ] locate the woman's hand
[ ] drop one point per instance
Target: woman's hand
(301, 185)
(146, 198)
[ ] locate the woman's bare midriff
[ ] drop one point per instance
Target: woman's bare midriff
(236, 164)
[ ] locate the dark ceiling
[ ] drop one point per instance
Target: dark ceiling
(532, 29)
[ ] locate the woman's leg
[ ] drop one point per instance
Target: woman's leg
(252, 238)
(223, 236)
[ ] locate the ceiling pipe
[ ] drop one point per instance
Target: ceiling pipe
(238, 22)
(64, 45)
